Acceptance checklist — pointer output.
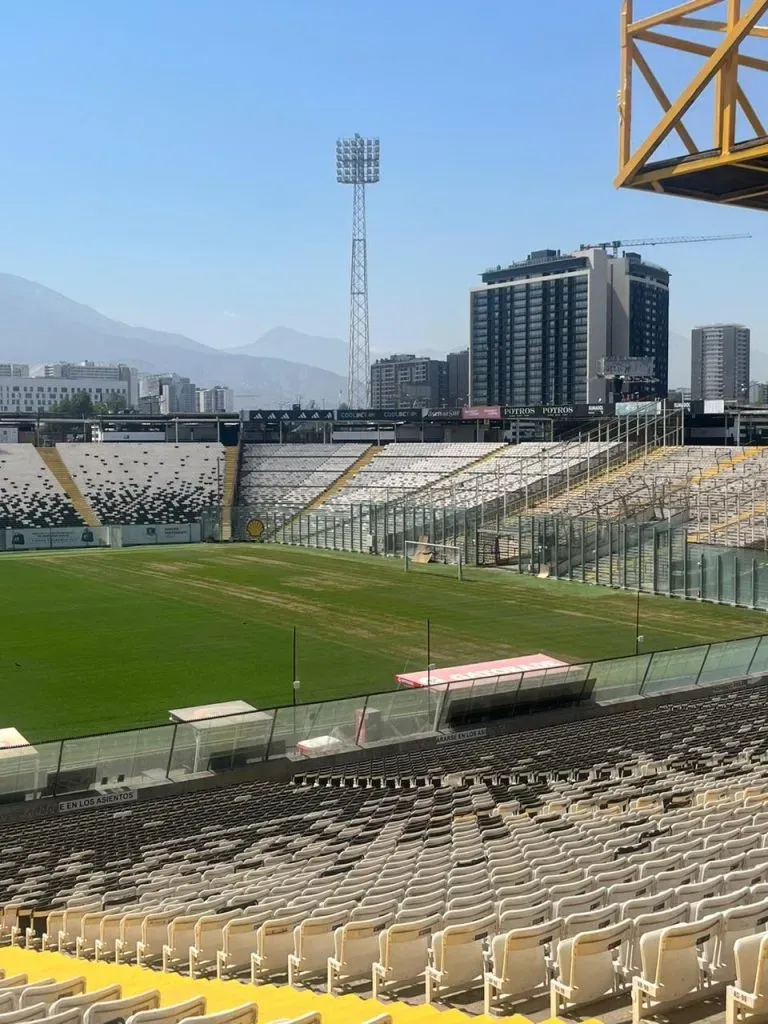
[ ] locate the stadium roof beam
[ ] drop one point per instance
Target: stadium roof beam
(731, 171)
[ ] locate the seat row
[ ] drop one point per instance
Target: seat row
(48, 1001)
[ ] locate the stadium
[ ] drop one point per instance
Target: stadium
(374, 716)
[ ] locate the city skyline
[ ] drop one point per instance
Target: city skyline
(105, 180)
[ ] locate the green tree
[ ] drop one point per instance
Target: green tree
(79, 404)
(112, 403)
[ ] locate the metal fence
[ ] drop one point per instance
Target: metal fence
(377, 529)
(656, 558)
(179, 752)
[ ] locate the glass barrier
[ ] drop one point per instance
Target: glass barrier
(28, 769)
(760, 661)
(135, 758)
(329, 727)
(727, 661)
(673, 670)
(619, 678)
(219, 744)
(145, 757)
(405, 713)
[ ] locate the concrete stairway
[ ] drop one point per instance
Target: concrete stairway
(345, 477)
(229, 490)
(55, 464)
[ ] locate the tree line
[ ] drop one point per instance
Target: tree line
(82, 406)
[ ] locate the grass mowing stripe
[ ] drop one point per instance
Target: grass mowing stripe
(112, 639)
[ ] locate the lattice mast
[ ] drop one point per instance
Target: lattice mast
(357, 164)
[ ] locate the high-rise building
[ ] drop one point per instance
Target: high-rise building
(215, 399)
(540, 328)
(174, 393)
(720, 362)
(88, 370)
(14, 370)
(457, 391)
(408, 381)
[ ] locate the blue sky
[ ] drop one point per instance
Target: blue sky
(171, 162)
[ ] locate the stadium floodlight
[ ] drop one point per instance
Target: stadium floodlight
(357, 164)
(357, 161)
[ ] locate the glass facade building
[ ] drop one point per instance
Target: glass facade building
(540, 328)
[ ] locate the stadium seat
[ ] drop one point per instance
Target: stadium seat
(356, 948)
(672, 971)
(313, 945)
(651, 921)
(181, 936)
(86, 999)
(121, 1009)
(521, 964)
(456, 959)
(403, 955)
(153, 932)
(208, 939)
(48, 994)
(591, 965)
(274, 943)
(748, 997)
(738, 923)
(35, 1012)
(245, 1014)
(194, 1007)
(72, 1016)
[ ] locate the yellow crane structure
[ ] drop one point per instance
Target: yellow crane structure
(727, 169)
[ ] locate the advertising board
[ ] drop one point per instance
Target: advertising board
(57, 537)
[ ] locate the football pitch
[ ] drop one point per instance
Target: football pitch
(102, 640)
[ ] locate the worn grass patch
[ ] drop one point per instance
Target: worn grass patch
(102, 640)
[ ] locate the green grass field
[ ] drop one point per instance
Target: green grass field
(96, 641)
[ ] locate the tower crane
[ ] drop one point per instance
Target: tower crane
(674, 240)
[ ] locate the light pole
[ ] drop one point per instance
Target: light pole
(357, 164)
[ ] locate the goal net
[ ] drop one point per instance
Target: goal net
(424, 552)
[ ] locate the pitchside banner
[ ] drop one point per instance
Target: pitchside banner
(61, 537)
(163, 533)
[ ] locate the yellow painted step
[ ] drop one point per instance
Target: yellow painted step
(274, 1002)
(368, 456)
(707, 474)
(229, 491)
(55, 464)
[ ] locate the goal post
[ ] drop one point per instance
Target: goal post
(424, 552)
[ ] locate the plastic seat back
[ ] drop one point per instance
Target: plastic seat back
(738, 923)
(670, 957)
(119, 1009)
(48, 994)
(520, 958)
(525, 917)
(170, 1014)
(82, 1002)
(458, 953)
(591, 920)
(245, 1014)
(653, 922)
(586, 961)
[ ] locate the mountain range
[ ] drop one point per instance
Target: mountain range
(39, 325)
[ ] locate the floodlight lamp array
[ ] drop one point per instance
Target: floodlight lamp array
(357, 161)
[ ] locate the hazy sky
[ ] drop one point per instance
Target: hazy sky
(171, 162)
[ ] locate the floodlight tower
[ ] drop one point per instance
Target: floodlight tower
(357, 164)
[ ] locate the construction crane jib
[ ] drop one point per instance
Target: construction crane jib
(632, 243)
